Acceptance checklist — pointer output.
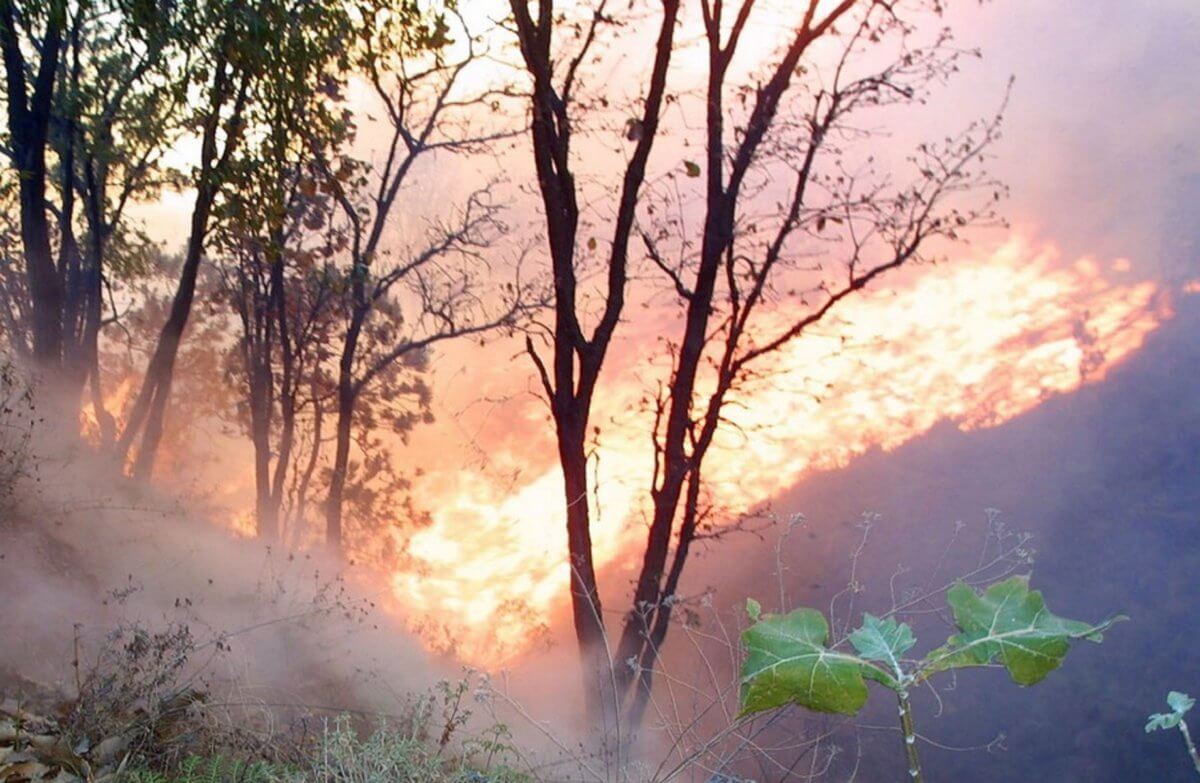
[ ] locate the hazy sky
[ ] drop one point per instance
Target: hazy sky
(1102, 151)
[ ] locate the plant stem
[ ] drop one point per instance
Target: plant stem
(910, 737)
(1191, 746)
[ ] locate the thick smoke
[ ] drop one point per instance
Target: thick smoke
(84, 552)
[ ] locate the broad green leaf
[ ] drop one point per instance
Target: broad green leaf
(1011, 625)
(753, 610)
(883, 640)
(787, 662)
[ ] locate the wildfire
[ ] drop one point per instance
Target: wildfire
(243, 524)
(974, 343)
(116, 403)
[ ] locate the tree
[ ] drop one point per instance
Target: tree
(117, 115)
(285, 312)
(570, 379)
(267, 230)
(88, 118)
(401, 302)
(242, 70)
(754, 244)
(29, 95)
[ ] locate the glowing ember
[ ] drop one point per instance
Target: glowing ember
(975, 343)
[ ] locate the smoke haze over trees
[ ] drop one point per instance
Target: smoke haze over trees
(533, 324)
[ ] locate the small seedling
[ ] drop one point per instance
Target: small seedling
(788, 660)
(1179, 703)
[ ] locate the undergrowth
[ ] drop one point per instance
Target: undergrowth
(342, 755)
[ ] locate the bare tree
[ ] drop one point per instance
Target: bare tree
(400, 302)
(569, 379)
(754, 249)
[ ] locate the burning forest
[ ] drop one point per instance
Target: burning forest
(524, 391)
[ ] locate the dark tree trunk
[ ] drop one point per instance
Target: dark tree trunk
(570, 381)
(288, 380)
(28, 123)
(261, 405)
(93, 287)
(347, 394)
(586, 609)
(304, 480)
(149, 411)
(341, 464)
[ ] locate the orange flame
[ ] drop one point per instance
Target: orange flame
(243, 524)
(116, 401)
(973, 343)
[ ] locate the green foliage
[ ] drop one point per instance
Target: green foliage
(1009, 623)
(789, 659)
(883, 640)
(1180, 704)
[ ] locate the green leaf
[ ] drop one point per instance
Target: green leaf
(787, 662)
(753, 610)
(1009, 624)
(692, 169)
(883, 640)
(1163, 720)
(1179, 703)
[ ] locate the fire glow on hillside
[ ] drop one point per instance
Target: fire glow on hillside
(973, 343)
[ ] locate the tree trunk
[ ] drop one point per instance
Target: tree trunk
(585, 596)
(288, 381)
(657, 630)
(93, 286)
(265, 512)
(29, 122)
(149, 410)
(304, 480)
(151, 405)
(341, 462)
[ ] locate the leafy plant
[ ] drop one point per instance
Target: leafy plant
(789, 659)
(1179, 703)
